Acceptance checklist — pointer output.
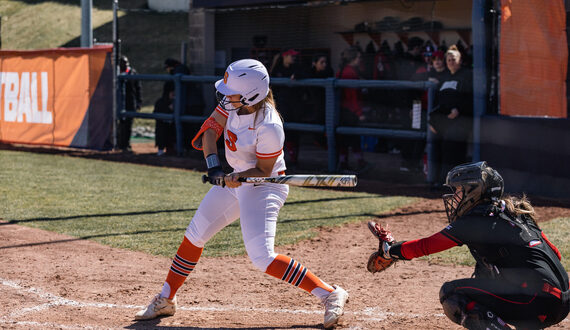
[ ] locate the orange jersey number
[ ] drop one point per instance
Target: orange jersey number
(231, 141)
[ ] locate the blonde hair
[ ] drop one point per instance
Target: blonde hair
(453, 50)
(519, 205)
(268, 100)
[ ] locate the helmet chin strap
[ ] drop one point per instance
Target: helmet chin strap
(224, 102)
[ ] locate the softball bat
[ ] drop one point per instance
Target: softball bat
(303, 180)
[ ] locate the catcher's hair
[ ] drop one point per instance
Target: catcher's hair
(519, 205)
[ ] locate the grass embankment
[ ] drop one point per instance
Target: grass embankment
(147, 38)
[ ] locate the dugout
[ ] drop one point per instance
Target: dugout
(519, 56)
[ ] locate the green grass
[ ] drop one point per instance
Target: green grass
(147, 38)
(147, 208)
(45, 24)
(557, 231)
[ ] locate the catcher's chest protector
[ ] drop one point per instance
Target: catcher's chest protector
(532, 248)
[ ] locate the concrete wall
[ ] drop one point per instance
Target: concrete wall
(169, 5)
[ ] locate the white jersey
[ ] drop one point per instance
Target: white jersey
(245, 141)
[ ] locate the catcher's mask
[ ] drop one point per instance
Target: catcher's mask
(247, 78)
(471, 184)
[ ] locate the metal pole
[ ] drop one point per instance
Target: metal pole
(479, 73)
(86, 26)
(431, 175)
(331, 123)
(177, 113)
(184, 52)
(116, 87)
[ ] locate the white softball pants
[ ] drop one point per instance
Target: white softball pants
(257, 207)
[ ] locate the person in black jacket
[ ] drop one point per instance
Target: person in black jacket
(133, 100)
(452, 120)
(193, 103)
(518, 278)
(285, 65)
(315, 103)
(165, 132)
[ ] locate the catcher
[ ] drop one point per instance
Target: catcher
(518, 277)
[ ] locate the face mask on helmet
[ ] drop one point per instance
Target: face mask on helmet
(471, 184)
(247, 78)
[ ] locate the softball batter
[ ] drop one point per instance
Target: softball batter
(254, 137)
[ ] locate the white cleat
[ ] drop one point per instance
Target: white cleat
(157, 307)
(334, 306)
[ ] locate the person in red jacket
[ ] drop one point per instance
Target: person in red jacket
(351, 109)
(518, 278)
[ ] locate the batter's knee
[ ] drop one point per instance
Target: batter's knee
(193, 232)
(261, 260)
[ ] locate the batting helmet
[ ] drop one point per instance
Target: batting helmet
(472, 184)
(248, 78)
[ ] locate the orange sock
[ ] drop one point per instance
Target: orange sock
(183, 263)
(293, 272)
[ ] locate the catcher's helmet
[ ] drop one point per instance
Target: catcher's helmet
(472, 184)
(248, 78)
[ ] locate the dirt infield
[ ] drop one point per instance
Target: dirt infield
(49, 280)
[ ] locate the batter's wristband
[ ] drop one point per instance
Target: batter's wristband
(212, 160)
(396, 251)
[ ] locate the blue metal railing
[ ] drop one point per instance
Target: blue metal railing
(331, 126)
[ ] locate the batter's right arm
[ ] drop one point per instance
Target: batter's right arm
(210, 149)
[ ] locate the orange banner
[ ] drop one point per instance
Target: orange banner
(533, 58)
(46, 96)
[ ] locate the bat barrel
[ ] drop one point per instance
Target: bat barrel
(307, 180)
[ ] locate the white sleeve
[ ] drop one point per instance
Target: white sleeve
(270, 139)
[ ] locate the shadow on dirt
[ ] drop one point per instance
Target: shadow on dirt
(154, 324)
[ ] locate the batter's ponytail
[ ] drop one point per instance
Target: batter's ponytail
(269, 100)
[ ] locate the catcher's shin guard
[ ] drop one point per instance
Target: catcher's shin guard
(471, 315)
(479, 317)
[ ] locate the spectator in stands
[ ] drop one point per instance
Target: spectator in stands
(192, 100)
(165, 132)
(315, 105)
(411, 62)
(351, 110)
(452, 121)
(132, 102)
(288, 99)
(437, 68)
(383, 63)
(410, 67)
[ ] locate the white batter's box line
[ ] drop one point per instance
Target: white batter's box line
(370, 314)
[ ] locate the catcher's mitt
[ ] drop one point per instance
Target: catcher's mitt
(381, 259)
